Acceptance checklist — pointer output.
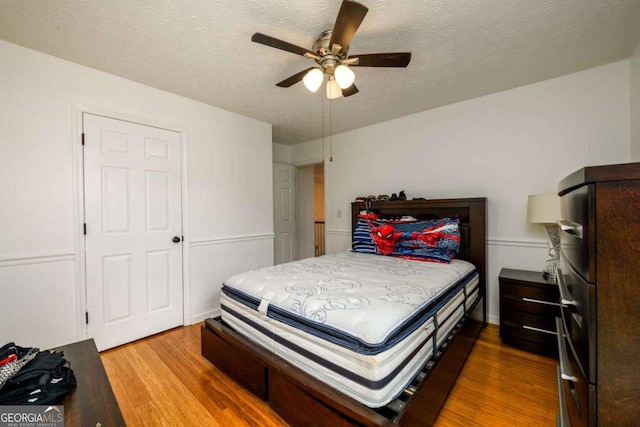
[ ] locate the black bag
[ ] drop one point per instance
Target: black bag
(45, 380)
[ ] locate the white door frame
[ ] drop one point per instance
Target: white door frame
(78, 208)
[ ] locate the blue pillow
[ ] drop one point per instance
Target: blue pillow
(362, 240)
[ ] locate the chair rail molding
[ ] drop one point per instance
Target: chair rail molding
(36, 258)
(231, 239)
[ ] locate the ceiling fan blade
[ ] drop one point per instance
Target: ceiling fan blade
(351, 90)
(280, 44)
(290, 81)
(397, 59)
(349, 19)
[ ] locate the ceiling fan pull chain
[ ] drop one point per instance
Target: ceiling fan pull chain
(323, 150)
(330, 134)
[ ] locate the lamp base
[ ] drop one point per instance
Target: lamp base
(551, 266)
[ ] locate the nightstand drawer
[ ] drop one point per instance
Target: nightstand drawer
(531, 322)
(523, 332)
(529, 299)
(530, 340)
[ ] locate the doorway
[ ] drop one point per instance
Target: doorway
(310, 211)
(133, 229)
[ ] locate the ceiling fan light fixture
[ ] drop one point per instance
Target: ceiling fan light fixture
(313, 79)
(333, 90)
(344, 76)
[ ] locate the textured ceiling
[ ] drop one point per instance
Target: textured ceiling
(201, 49)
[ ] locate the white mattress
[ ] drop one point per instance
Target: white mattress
(371, 374)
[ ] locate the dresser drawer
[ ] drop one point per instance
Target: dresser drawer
(577, 236)
(578, 300)
(578, 396)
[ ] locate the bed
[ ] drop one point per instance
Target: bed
(294, 385)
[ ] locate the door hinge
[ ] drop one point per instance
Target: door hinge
(85, 228)
(86, 317)
(83, 139)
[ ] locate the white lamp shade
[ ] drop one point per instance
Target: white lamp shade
(344, 76)
(313, 79)
(333, 90)
(543, 208)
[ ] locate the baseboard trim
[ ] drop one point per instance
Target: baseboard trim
(200, 317)
(231, 239)
(40, 258)
(495, 320)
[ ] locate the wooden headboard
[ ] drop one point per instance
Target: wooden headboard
(472, 214)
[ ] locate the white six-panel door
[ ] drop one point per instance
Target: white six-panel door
(132, 193)
(284, 214)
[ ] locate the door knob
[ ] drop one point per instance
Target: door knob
(176, 239)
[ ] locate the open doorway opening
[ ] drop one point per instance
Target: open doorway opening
(318, 189)
(310, 211)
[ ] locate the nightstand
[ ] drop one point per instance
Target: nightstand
(529, 304)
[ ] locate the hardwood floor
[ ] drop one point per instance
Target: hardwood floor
(164, 381)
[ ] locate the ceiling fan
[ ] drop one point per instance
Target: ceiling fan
(331, 52)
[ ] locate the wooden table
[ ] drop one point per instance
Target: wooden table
(92, 402)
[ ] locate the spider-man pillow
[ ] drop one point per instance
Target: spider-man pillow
(436, 240)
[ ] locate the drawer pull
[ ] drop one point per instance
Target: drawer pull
(572, 228)
(561, 419)
(565, 370)
(564, 292)
(544, 331)
(537, 301)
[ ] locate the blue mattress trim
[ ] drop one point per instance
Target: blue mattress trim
(374, 385)
(344, 339)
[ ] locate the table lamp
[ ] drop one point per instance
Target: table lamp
(545, 209)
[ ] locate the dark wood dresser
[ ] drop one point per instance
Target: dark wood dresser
(529, 304)
(92, 402)
(599, 283)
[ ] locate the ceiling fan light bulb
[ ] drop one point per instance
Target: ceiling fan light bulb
(313, 79)
(333, 90)
(344, 76)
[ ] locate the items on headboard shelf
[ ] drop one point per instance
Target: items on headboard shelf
(368, 200)
(381, 198)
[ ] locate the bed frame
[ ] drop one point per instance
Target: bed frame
(302, 400)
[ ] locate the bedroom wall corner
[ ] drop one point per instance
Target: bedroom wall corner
(635, 104)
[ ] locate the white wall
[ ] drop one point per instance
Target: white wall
(503, 146)
(229, 211)
(635, 104)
